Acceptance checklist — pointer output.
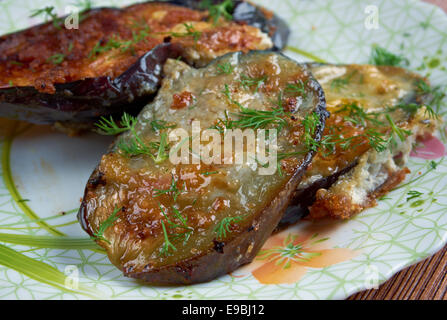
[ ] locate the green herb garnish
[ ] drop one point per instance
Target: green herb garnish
(177, 235)
(99, 235)
(401, 133)
(173, 190)
(248, 82)
(225, 224)
(190, 32)
(48, 14)
(358, 116)
(158, 125)
(382, 57)
(297, 88)
(110, 127)
(340, 83)
(218, 10)
(134, 145)
(167, 245)
(116, 43)
(225, 68)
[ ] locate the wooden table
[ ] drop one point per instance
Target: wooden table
(425, 280)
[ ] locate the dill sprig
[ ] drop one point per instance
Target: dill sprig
(84, 5)
(248, 82)
(310, 123)
(436, 96)
(56, 58)
(225, 225)
(190, 32)
(173, 190)
(48, 15)
(162, 149)
(216, 11)
(259, 119)
(225, 68)
(176, 235)
(158, 125)
(358, 116)
(340, 83)
(110, 127)
(134, 145)
(297, 88)
(223, 124)
(208, 173)
(167, 245)
(114, 42)
(253, 118)
(377, 140)
(400, 132)
(382, 57)
(99, 235)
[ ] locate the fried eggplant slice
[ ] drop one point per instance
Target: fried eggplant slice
(111, 63)
(377, 114)
(185, 223)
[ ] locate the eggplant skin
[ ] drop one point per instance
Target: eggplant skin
(81, 89)
(86, 100)
(135, 238)
(249, 13)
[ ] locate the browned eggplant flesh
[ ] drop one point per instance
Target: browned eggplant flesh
(377, 115)
(191, 222)
(112, 62)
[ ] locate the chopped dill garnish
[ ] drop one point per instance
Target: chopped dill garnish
(134, 145)
(167, 245)
(340, 83)
(115, 42)
(110, 127)
(48, 14)
(297, 88)
(158, 125)
(436, 96)
(382, 57)
(253, 118)
(358, 116)
(208, 173)
(17, 63)
(259, 119)
(56, 58)
(311, 122)
(184, 234)
(173, 190)
(225, 68)
(99, 235)
(218, 10)
(225, 225)
(401, 133)
(248, 82)
(190, 32)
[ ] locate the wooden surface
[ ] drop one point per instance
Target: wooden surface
(426, 280)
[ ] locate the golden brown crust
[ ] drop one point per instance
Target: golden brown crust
(341, 206)
(26, 56)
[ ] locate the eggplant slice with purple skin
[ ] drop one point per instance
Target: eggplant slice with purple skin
(361, 158)
(112, 63)
(171, 224)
